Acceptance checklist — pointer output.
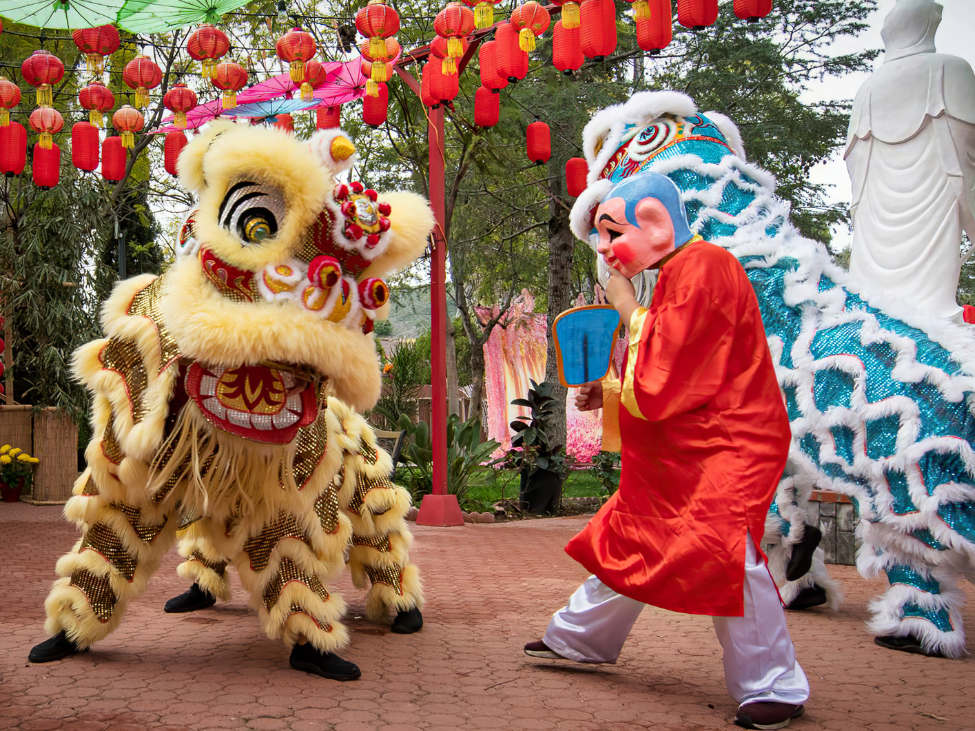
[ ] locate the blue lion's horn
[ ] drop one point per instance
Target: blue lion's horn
(584, 338)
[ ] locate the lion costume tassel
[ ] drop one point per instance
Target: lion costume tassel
(224, 405)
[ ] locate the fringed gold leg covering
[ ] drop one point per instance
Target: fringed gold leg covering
(204, 564)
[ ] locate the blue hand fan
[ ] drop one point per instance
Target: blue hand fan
(584, 338)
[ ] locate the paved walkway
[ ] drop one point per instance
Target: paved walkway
(490, 588)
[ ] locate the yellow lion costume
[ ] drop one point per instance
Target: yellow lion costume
(224, 404)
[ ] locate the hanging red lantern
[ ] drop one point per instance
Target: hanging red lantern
(142, 74)
(42, 69)
(127, 121)
(315, 76)
(487, 107)
(97, 99)
(296, 46)
(113, 159)
(377, 21)
(697, 14)
(231, 77)
(46, 166)
(426, 92)
(658, 31)
(373, 69)
(47, 122)
(375, 108)
(570, 12)
(576, 172)
(488, 61)
(179, 100)
(207, 45)
(598, 26)
(539, 139)
(96, 43)
(512, 61)
(328, 117)
(285, 122)
(443, 87)
(380, 67)
(438, 49)
(84, 146)
(172, 146)
(530, 20)
(13, 149)
(567, 53)
(752, 10)
(9, 98)
(483, 12)
(455, 22)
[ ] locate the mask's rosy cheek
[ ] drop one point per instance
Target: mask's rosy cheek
(625, 252)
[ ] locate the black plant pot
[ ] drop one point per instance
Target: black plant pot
(541, 491)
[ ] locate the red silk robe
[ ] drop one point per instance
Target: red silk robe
(704, 438)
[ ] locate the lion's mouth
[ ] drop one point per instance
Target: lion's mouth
(266, 403)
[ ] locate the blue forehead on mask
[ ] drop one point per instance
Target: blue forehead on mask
(654, 185)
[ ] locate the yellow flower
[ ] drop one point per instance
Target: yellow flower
(15, 451)
(34, 460)
(4, 459)
(4, 449)
(23, 458)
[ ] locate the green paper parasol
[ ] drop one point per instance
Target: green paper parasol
(70, 14)
(157, 16)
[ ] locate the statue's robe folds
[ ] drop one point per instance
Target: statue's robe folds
(704, 438)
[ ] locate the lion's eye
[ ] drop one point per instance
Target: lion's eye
(252, 211)
(255, 227)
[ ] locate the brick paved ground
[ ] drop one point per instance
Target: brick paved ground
(490, 588)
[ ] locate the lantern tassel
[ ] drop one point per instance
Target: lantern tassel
(141, 97)
(180, 120)
(45, 97)
(377, 48)
(307, 92)
(229, 99)
(207, 65)
(455, 47)
(641, 10)
(96, 118)
(4, 117)
(449, 66)
(526, 40)
(46, 139)
(570, 16)
(372, 88)
(378, 73)
(128, 140)
(484, 15)
(297, 71)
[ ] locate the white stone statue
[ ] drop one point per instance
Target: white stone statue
(911, 157)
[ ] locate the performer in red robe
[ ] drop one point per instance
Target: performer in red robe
(704, 438)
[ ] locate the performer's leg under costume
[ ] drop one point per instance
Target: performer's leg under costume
(204, 565)
(759, 659)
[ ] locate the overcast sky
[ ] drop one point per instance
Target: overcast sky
(956, 36)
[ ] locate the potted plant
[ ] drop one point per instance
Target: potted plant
(541, 462)
(16, 472)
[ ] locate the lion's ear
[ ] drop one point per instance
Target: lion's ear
(189, 165)
(411, 222)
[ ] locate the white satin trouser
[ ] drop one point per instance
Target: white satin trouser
(759, 659)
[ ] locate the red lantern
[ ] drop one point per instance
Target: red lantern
(231, 77)
(487, 107)
(328, 117)
(438, 49)
(752, 10)
(377, 21)
(315, 75)
(379, 69)
(598, 27)
(512, 61)
(455, 22)
(375, 108)
(442, 87)
(426, 87)
(657, 32)
(127, 121)
(570, 12)
(296, 46)
(97, 99)
(179, 100)
(697, 14)
(84, 146)
(576, 172)
(9, 98)
(113, 159)
(488, 61)
(142, 74)
(207, 45)
(567, 49)
(96, 43)
(46, 166)
(483, 12)
(47, 122)
(43, 69)
(530, 20)
(285, 122)
(174, 144)
(539, 142)
(13, 149)
(373, 70)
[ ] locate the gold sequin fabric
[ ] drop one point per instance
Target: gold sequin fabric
(310, 449)
(98, 592)
(289, 571)
(259, 548)
(122, 356)
(90, 489)
(217, 567)
(297, 609)
(369, 454)
(363, 486)
(386, 575)
(327, 510)
(146, 304)
(110, 446)
(146, 533)
(102, 539)
(380, 543)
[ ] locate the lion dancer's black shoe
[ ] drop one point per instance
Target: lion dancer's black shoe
(800, 561)
(54, 648)
(327, 664)
(190, 600)
(407, 622)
